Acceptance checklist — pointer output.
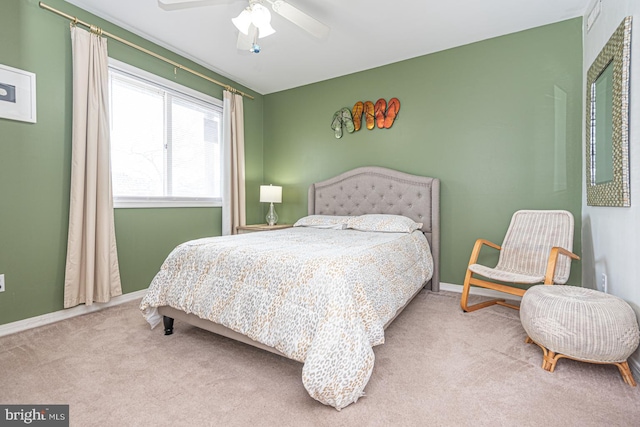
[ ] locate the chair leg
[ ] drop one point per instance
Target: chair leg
(465, 297)
(474, 307)
(465, 291)
(506, 304)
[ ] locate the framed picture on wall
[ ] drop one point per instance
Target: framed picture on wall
(17, 94)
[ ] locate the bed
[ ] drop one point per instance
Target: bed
(321, 292)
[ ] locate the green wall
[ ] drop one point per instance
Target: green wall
(489, 119)
(35, 165)
(485, 118)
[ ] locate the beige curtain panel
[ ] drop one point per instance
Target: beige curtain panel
(233, 199)
(92, 273)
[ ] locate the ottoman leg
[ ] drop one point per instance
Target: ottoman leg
(627, 376)
(549, 358)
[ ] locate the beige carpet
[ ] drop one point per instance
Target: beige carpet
(439, 367)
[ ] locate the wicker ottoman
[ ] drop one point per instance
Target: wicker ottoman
(580, 324)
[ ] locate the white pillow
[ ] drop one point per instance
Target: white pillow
(335, 222)
(384, 223)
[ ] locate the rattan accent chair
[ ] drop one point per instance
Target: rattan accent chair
(536, 249)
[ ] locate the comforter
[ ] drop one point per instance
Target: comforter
(320, 296)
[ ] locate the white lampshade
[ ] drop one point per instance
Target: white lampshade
(261, 18)
(270, 194)
(243, 21)
(257, 15)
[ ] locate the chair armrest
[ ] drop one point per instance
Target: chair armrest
(553, 259)
(476, 249)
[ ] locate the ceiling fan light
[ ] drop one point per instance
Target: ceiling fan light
(265, 30)
(261, 18)
(243, 21)
(260, 14)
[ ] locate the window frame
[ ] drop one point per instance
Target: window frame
(120, 202)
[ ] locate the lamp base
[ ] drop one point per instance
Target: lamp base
(272, 216)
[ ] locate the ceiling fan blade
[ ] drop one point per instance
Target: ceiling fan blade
(301, 19)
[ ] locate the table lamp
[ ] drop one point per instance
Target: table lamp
(271, 194)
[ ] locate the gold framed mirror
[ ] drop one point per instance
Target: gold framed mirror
(607, 122)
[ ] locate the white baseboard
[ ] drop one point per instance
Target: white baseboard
(56, 316)
(478, 291)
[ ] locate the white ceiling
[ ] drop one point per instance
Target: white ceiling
(364, 33)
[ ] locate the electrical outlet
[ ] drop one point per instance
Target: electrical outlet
(604, 283)
(1, 282)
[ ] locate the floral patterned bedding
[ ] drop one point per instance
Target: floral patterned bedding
(320, 296)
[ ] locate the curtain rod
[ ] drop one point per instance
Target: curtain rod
(99, 31)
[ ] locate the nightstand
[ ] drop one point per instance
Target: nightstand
(261, 227)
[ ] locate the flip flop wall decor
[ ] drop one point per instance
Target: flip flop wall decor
(382, 113)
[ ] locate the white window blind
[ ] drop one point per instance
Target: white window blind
(166, 142)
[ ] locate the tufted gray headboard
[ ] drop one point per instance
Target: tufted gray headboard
(380, 190)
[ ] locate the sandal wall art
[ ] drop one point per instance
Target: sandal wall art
(381, 114)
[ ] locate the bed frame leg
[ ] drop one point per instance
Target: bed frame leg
(168, 325)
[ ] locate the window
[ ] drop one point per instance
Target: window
(166, 142)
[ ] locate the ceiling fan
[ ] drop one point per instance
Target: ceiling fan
(254, 22)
